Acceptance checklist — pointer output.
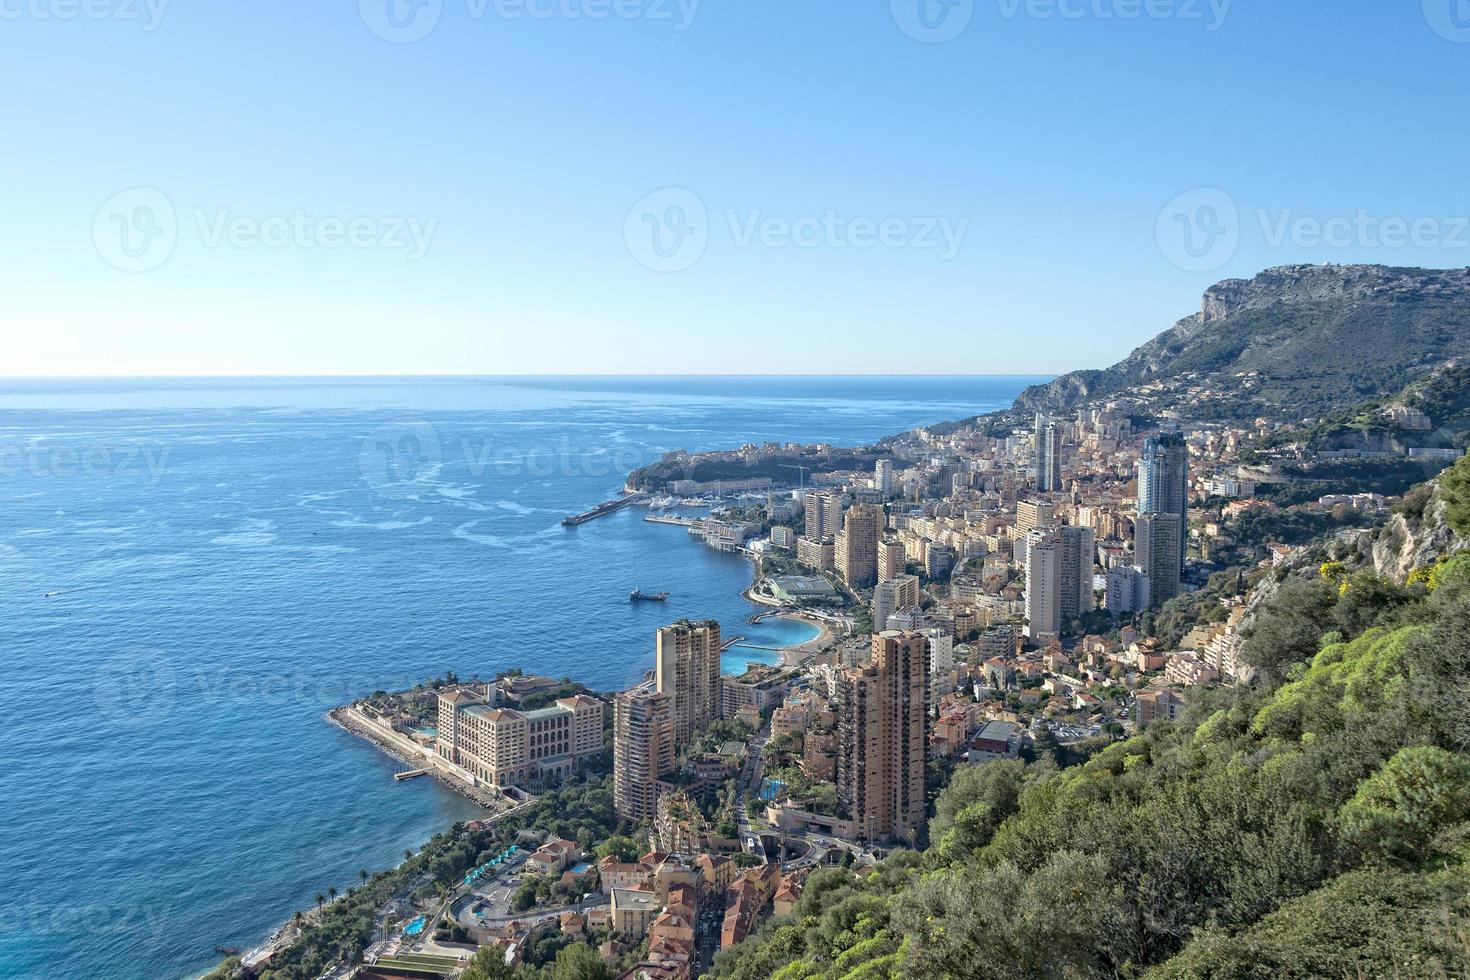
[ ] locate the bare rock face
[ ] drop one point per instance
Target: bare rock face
(1405, 543)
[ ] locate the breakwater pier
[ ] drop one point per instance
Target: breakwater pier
(603, 509)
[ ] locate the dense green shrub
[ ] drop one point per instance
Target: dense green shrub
(1398, 810)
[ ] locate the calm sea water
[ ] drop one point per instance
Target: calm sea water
(193, 572)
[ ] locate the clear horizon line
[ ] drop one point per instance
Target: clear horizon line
(491, 377)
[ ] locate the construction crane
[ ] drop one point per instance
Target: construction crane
(803, 469)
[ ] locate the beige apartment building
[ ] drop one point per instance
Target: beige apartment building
(503, 747)
(761, 687)
(633, 911)
(893, 560)
(643, 751)
(855, 551)
(687, 672)
(1032, 515)
(816, 554)
(882, 723)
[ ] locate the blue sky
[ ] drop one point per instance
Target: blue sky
(275, 188)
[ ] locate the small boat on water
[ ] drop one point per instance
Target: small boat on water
(638, 595)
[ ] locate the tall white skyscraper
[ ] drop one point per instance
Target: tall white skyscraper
(1128, 590)
(892, 596)
(941, 663)
(823, 515)
(883, 475)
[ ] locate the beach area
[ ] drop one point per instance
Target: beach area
(830, 628)
(794, 656)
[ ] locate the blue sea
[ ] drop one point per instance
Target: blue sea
(192, 572)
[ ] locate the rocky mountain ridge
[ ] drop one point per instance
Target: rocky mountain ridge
(1324, 336)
